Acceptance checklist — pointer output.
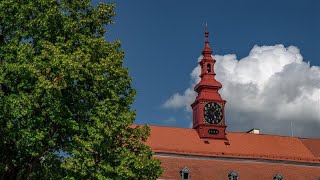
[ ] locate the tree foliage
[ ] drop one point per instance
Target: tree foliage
(65, 96)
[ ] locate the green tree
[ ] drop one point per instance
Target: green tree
(65, 96)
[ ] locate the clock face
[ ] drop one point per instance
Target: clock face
(212, 113)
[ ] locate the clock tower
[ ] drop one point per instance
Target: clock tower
(208, 107)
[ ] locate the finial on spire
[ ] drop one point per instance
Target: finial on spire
(207, 50)
(206, 33)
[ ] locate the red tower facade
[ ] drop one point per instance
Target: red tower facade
(208, 107)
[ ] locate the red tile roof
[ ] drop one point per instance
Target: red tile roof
(241, 145)
(313, 145)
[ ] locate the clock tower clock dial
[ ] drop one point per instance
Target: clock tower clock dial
(212, 113)
(208, 107)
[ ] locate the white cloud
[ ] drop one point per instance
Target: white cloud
(177, 100)
(170, 120)
(268, 89)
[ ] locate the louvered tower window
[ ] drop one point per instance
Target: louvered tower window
(233, 175)
(209, 68)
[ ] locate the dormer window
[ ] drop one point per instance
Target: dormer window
(185, 174)
(208, 68)
(277, 177)
(233, 175)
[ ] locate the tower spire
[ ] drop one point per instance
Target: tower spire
(208, 107)
(206, 33)
(207, 51)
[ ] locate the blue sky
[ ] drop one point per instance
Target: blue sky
(162, 41)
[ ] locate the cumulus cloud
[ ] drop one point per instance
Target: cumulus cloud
(269, 89)
(170, 120)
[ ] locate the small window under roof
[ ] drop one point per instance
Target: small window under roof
(233, 175)
(185, 174)
(277, 177)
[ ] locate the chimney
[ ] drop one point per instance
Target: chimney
(254, 131)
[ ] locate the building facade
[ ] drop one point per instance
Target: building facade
(207, 151)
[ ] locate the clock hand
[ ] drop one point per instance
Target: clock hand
(214, 111)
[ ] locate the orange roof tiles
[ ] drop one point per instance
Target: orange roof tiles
(313, 145)
(242, 145)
